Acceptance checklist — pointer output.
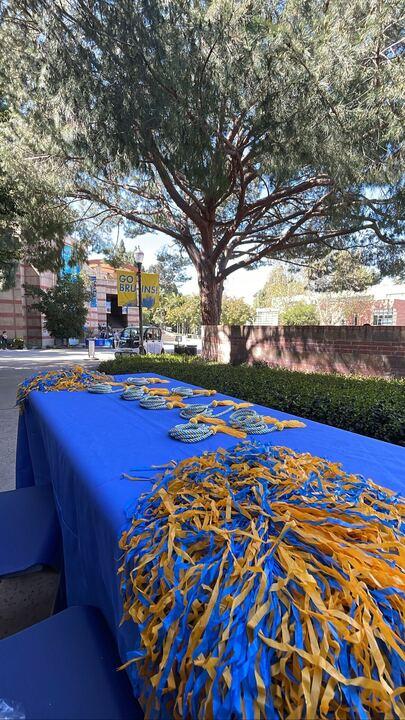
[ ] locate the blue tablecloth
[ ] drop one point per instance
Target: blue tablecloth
(82, 443)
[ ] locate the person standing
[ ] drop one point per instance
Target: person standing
(116, 339)
(4, 340)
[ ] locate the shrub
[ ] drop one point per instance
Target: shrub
(300, 313)
(16, 343)
(369, 406)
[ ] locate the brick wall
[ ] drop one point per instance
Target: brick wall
(12, 310)
(345, 349)
(36, 334)
(399, 312)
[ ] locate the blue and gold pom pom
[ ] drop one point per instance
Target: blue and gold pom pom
(266, 584)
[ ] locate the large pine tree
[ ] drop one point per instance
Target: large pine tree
(35, 215)
(243, 130)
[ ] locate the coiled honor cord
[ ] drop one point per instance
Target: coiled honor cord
(103, 388)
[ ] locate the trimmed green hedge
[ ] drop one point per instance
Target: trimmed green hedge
(369, 406)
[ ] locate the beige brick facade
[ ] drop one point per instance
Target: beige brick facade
(19, 319)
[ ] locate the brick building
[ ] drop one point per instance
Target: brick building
(19, 319)
(103, 306)
(17, 316)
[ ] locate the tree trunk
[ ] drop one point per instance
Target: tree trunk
(211, 291)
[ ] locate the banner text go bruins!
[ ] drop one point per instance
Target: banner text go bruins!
(127, 289)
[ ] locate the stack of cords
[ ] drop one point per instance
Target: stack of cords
(190, 392)
(196, 431)
(103, 388)
(254, 424)
(243, 422)
(133, 393)
(144, 381)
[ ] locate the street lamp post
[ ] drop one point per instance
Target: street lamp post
(139, 255)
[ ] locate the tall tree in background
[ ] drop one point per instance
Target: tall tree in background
(35, 216)
(300, 313)
(244, 131)
(34, 219)
(37, 211)
(281, 283)
(235, 311)
(172, 268)
(117, 255)
(64, 306)
(340, 272)
(182, 312)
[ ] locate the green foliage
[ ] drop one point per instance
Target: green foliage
(16, 343)
(281, 283)
(183, 313)
(374, 407)
(172, 268)
(64, 306)
(235, 311)
(36, 171)
(300, 313)
(243, 131)
(34, 215)
(340, 272)
(117, 255)
(174, 309)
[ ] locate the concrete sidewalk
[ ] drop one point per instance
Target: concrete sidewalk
(27, 598)
(15, 365)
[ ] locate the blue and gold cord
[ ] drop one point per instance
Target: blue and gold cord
(266, 584)
(133, 393)
(72, 379)
(76, 378)
(103, 388)
(243, 421)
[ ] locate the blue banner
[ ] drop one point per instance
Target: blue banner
(67, 268)
(93, 290)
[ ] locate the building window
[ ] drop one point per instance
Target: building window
(266, 316)
(383, 318)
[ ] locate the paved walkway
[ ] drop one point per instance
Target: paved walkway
(27, 598)
(15, 365)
